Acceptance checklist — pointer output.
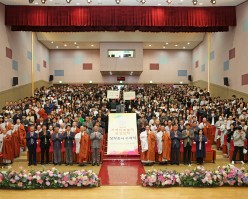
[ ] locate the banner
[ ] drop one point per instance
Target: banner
(129, 95)
(113, 94)
(122, 134)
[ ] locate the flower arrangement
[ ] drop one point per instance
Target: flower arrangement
(199, 177)
(160, 178)
(47, 179)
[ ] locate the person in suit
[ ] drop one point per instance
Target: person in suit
(181, 126)
(95, 138)
(45, 137)
(200, 140)
(68, 137)
(188, 137)
(176, 136)
(31, 138)
(57, 138)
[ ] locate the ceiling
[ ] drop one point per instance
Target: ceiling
(123, 3)
(92, 40)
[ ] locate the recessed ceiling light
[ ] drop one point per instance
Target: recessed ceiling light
(77, 46)
(176, 45)
(65, 45)
(150, 45)
(166, 43)
(188, 43)
(159, 4)
(163, 46)
(184, 47)
(75, 43)
(57, 47)
(92, 45)
(51, 42)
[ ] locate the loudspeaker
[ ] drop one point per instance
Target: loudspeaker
(226, 81)
(50, 78)
(15, 81)
(190, 78)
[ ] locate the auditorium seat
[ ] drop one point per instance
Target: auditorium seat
(224, 147)
(218, 141)
(1, 160)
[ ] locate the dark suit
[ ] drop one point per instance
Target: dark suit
(175, 146)
(32, 145)
(45, 145)
(68, 146)
(187, 144)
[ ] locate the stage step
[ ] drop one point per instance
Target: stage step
(121, 158)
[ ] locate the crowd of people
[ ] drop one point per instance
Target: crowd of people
(60, 116)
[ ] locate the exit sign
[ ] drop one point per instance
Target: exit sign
(120, 78)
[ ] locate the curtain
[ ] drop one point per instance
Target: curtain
(120, 18)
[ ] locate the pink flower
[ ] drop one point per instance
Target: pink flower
(47, 183)
(66, 185)
(40, 181)
(19, 184)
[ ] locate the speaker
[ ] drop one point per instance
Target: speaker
(15, 81)
(226, 81)
(50, 78)
(190, 78)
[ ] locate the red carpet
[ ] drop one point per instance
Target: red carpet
(121, 171)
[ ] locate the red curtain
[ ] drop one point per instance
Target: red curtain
(116, 18)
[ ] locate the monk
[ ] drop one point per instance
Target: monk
(84, 146)
(164, 157)
(15, 140)
(148, 143)
(21, 134)
(207, 128)
(7, 150)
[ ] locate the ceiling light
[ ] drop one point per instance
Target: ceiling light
(90, 82)
(91, 45)
(36, 3)
(143, 1)
(184, 47)
(188, 43)
(43, 1)
(166, 43)
(60, 82)
(181, 82)
(163, 46)
(117, 1)
(150, 45)
(169, 1)
(176, 45)
(181, 0)
(65, 45)
(213, 2)
(68, 1)
(75, 43)
(151, 81)
(51, 42)
(159, 4)
(194, 2)
(89, 1)
(77, 46)
(57, 46)
(31, 1)
(201, 4)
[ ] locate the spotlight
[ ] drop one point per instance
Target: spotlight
(169, 1)
(117, 1)
(195, 2)
(31, 1)
(213, 2)
(43, 1)
(89, 1)
(68, 1)
(143, 1)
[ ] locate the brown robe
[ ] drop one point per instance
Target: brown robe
(149, 155)
(22, 136)
(84, 148)
(16, 144)
(7, 149)
(207, 130)
(166, 154)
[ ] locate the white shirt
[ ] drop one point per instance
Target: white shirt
(144, 141)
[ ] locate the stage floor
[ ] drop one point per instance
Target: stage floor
(130, 192)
